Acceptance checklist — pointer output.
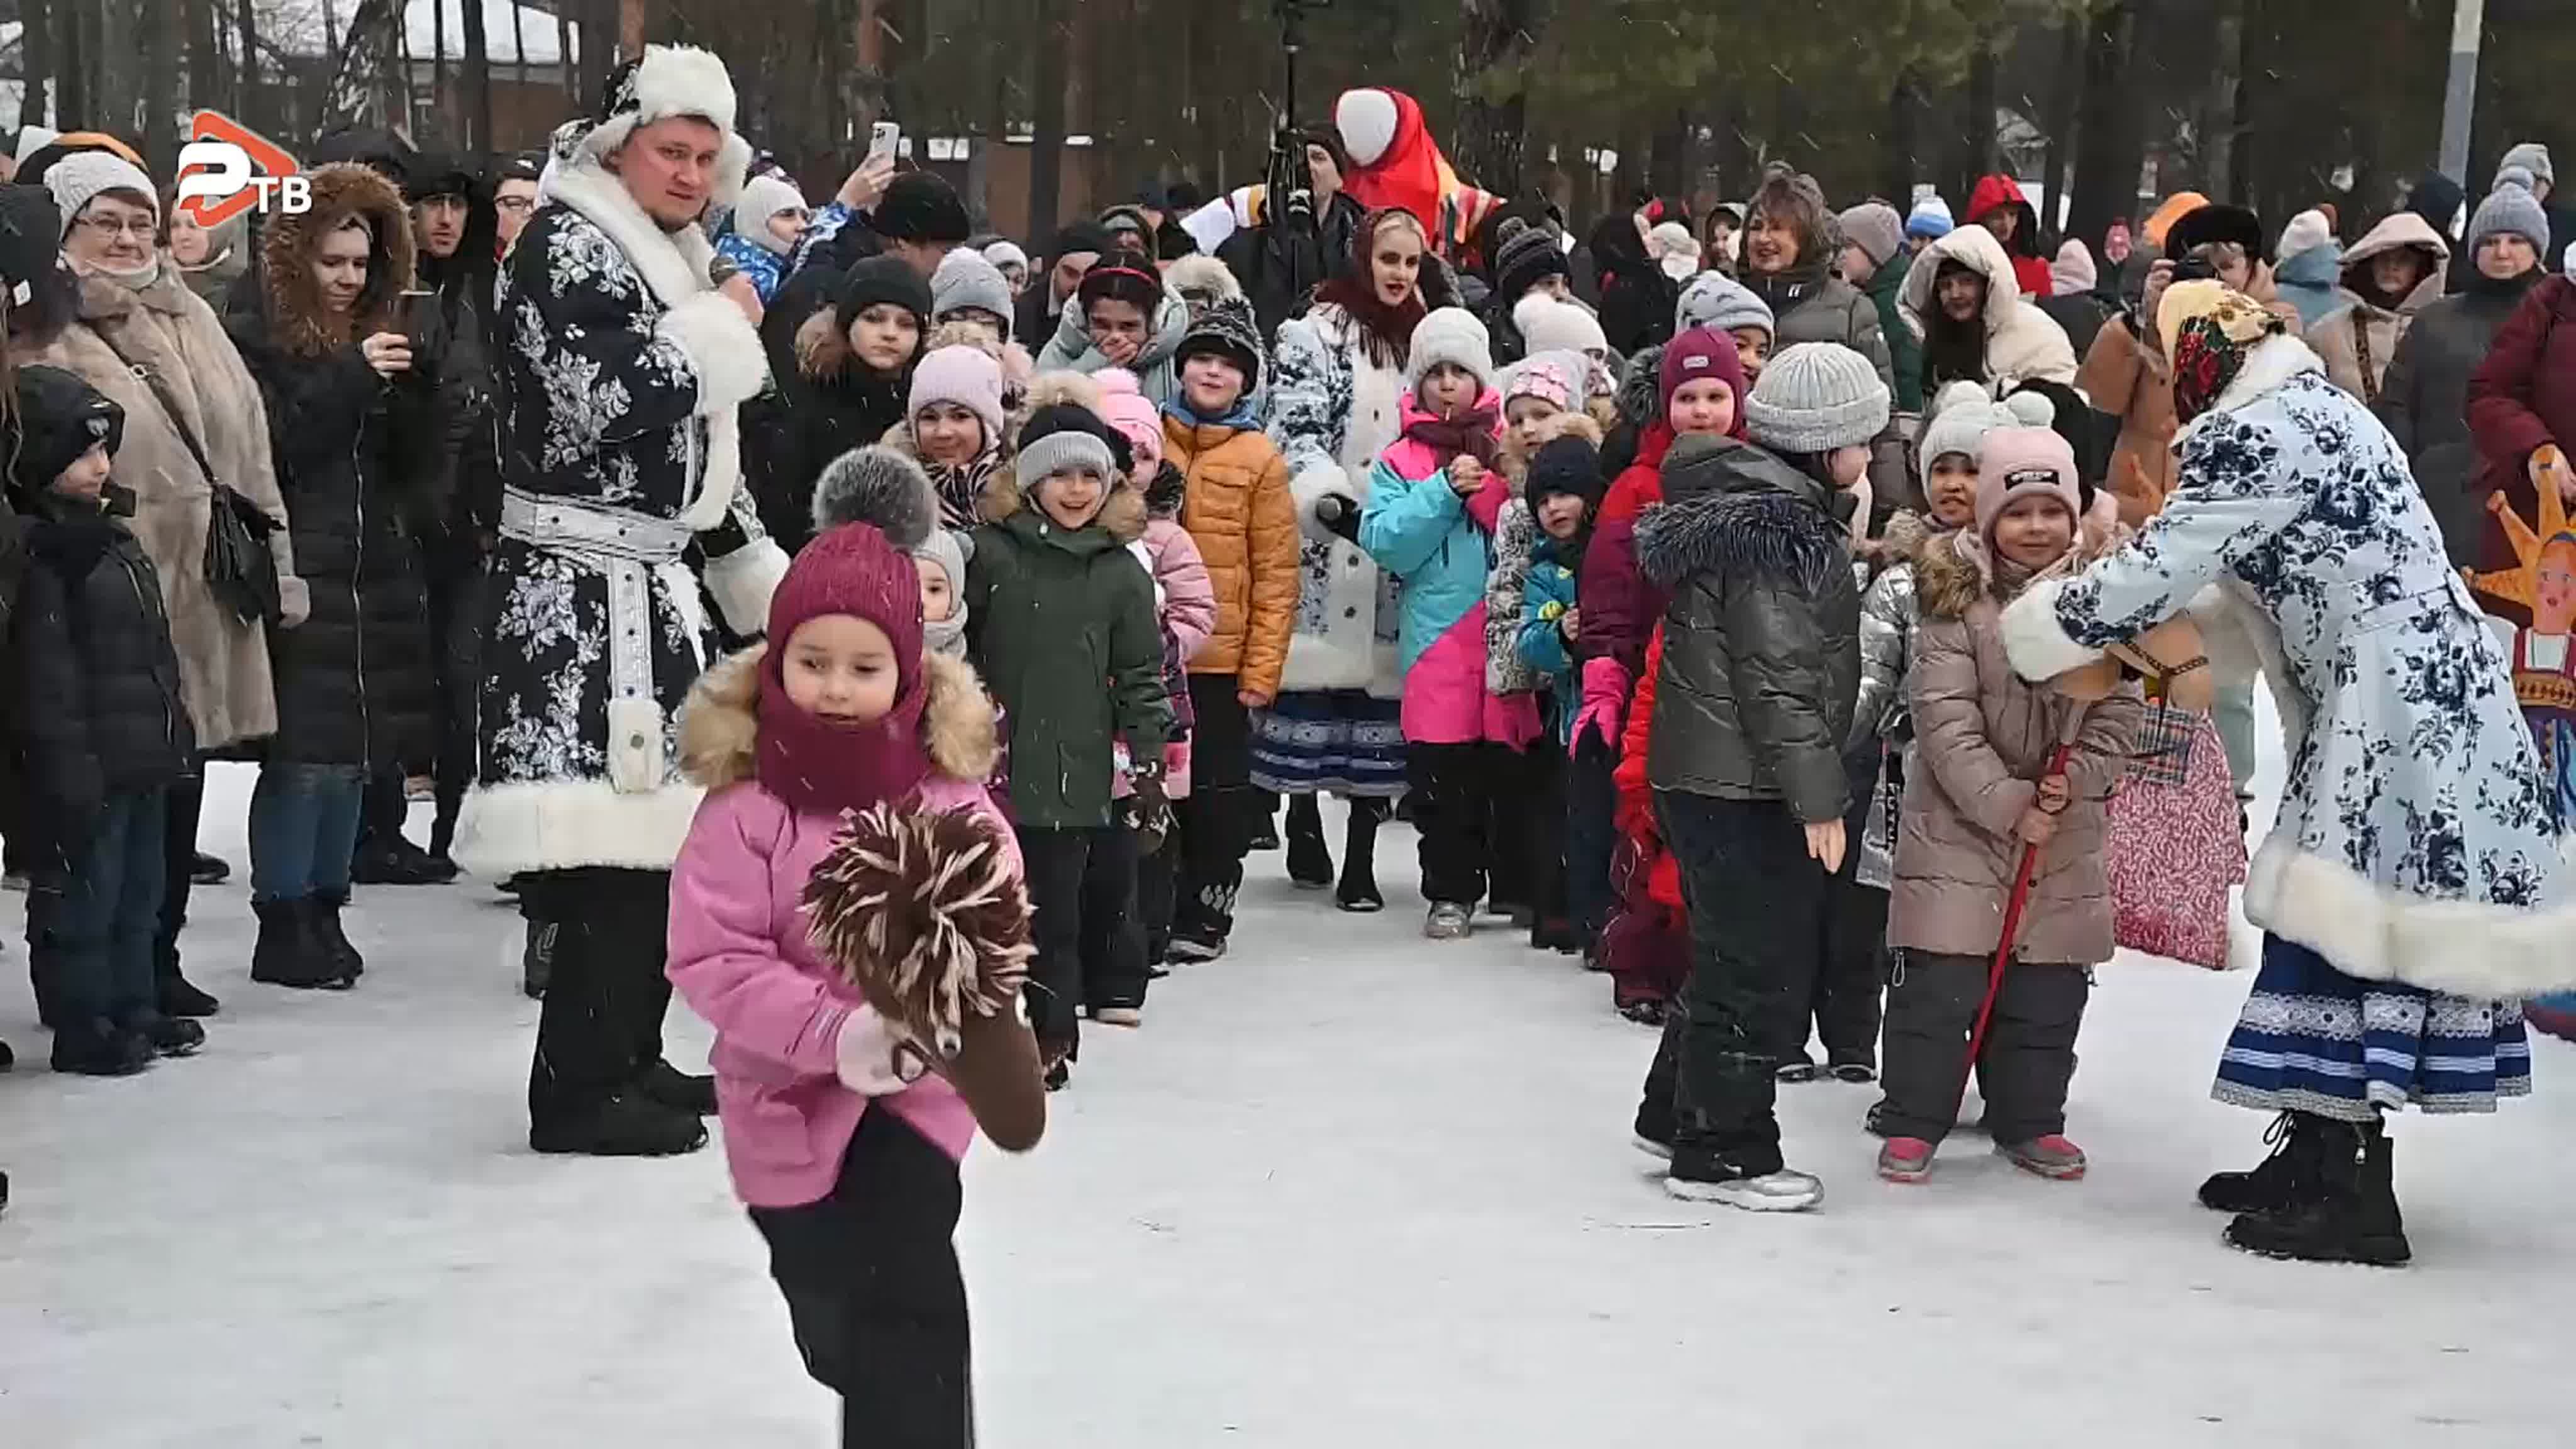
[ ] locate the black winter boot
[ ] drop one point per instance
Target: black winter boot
(678, 1090)
(99, 1048)
(2285, 1179)
(2352, 1215)
(623, 1126)
(1358, 892)
(324, 914)
(1310, 863)
(288, 954)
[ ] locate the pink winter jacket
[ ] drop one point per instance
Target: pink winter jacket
(1185, 597)
(740, 956)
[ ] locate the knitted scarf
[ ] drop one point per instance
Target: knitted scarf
(1473, 433)
(961, 488)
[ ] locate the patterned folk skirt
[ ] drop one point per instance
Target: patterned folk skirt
(2312, 1039)
(1339, 741)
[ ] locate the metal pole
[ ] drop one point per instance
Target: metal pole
(2460, 95)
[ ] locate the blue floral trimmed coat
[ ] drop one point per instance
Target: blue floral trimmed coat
(2413, 843)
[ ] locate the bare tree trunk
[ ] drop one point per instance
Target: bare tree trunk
(1897, 166)
(440, 100)
(478, 81)
(205, 61)
(1046, 103)
(77, 91)
(1977, 127)
(2252, 45)
(2063, 98)
(2108, 146)
(36, 61)
(568, 68)
(1494, 37)
(248, 93)
(630, 29)
(866, 99)
(160, 87)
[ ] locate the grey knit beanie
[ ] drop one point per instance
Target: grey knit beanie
(2530, 156)
(947, 548)
(1875, 228)
(965, 279)
(1720, 303)
(1451, 334)
(1814, 398)
(2512, 211)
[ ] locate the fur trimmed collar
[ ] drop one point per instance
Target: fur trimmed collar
(1515, 461)
(1756, 532)
(720, 725)
(672, 263)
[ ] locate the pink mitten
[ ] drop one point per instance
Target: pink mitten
(1605, 700)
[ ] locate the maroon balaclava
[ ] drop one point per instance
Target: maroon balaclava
(822, 765)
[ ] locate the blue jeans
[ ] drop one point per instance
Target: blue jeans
(90, 921)
(303, 829)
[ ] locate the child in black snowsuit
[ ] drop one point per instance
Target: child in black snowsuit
(99, 734)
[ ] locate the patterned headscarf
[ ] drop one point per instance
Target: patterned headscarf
(2209, 331)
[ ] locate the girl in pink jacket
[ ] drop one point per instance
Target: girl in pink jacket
(842, 1129)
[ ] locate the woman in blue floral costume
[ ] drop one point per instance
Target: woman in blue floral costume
(2409, 890)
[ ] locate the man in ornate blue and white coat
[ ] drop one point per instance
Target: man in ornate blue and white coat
(620, 367)
(2410, 890)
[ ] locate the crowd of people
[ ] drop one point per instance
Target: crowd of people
(1802, 618)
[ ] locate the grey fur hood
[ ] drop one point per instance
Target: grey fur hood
(1735, 509)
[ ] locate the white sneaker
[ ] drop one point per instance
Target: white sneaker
(1448, 922)
(1773, 1192)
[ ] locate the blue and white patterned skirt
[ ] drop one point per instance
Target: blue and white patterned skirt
(1329, 741)
(2312, 1039)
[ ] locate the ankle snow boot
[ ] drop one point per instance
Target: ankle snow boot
(170, 1036)
(100, 1048)
(2352, 1215)
(2285, 1179)
(288, 953)
(323, 914)
(624, 1126)
(678, 1090)
(1310, 863)
(177, 996)
(1358, 892)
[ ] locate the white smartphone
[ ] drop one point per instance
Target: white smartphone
(885, 138)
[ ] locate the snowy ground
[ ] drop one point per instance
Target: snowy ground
(1346, 1188)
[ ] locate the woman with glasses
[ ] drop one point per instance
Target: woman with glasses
(194, 424)
(767, 223)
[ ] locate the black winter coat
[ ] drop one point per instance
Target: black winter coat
(94, 682)
(1761, 656)
(791, 432)
(356, 681)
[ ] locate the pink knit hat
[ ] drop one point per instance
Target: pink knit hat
(2019, 462)
(966, 376)
(1125, 408)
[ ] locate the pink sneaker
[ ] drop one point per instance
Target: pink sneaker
(1905, 1159)
(2051, 1156)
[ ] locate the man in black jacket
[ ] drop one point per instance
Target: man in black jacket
(1078, 248)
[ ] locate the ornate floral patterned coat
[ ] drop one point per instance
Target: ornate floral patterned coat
(620, 372)
(2413, 843)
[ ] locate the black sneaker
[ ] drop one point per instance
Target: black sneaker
(1706, 1177)
(1189, 946)
(1358, 892)
(398, 862)
(170, 1036)
(1857, 1070)
(678, 1090)
(623, 1126)
(100, 1049)
(209, 870)
(1798, 1069)
(1059, 1076)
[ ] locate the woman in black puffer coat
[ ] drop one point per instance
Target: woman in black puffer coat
(356, 420)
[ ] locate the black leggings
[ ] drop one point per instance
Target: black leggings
(873, 1289)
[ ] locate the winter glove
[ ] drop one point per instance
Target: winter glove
(1605, 701)
(1153, 809)
(874, 1061)
(1340, 512)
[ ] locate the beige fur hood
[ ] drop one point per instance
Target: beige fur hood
(720, 725)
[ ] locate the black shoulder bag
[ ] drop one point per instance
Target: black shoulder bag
(240, 570)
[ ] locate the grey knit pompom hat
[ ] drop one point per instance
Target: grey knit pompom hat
(1814, 398)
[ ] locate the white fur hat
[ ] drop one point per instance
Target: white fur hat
(668, 81)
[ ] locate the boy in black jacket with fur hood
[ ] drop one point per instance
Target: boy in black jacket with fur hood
(100, 733)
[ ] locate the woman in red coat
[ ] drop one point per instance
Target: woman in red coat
(2522, 410)
(1999, 206)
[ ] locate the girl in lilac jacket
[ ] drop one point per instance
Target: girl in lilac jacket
(842, 1131)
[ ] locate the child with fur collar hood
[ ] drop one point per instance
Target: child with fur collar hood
(856, 1053)
(1979, 793)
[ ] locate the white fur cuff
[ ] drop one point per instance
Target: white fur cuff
(1308, 488)
(723, 350)
(742, 582)
(2039, 646)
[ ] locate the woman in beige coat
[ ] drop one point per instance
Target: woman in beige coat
(2388, 277)
(1976, 796)
(157, 351)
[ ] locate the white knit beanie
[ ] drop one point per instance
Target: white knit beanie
(763, 197)
(1451, 334)
(1816, 397)
(1550, 325)
(77, 179)
(2306, 232)
(1961, 416)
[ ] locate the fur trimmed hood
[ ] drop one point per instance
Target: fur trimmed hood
(1123, 514)
(1946, 583)
(1515, 462)
(1202, 279)
(1640, 395)
(1747, 514)
(297, 321)
(720, 725)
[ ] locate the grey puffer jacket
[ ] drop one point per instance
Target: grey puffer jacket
(1887, 615)
(1761, 641)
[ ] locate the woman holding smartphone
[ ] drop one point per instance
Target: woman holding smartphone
(355, 419)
